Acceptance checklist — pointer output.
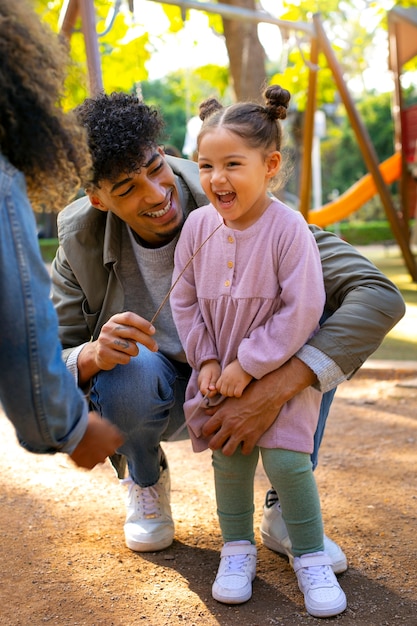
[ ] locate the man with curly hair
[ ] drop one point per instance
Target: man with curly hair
(43, 156)
(112, 273)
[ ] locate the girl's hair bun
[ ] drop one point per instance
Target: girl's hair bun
(277, 100)
(208, 107)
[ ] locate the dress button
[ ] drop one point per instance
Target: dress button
(227, 283)
(230, 264)
(230, 239)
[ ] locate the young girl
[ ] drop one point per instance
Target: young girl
(250, 295)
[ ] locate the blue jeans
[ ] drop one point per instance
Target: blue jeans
(326, 402)
(144, 399)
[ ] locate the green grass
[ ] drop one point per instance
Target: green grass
(359, 233)
(48, 248)
(401, 342)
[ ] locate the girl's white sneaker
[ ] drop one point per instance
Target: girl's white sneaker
(323, 596)
(237, 569)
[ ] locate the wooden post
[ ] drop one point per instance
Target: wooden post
(88, 19)
(68, 17)
(367, 149)
(397, 108)
(308, 131)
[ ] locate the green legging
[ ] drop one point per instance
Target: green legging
(291, 475)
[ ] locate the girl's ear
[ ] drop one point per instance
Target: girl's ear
(273, 163)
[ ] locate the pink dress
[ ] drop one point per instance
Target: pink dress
(255, 294)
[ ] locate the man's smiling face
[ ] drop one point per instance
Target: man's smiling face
(147, 200)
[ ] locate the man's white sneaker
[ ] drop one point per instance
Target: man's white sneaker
(323, 596)
(149, 525)
(237, 569)
(274, 535)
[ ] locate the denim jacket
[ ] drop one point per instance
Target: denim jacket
(37, 392)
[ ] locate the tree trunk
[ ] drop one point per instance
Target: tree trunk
(246, 54)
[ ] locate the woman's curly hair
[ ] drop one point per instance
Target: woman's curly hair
(121, 130)
(47, 145)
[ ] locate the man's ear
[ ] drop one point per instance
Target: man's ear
(273, 163)
(95, 200)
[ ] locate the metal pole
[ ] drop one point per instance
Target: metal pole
(239, 13)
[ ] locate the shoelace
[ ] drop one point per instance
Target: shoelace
(236, 562)
(147, 498)
(318, 575)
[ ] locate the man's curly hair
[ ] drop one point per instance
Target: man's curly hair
(121, 130)
(47, 145)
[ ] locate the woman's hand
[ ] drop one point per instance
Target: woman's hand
(101, 439)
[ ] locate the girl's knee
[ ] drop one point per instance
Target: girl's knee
(286, 461)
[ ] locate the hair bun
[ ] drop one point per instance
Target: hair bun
(277, 100)
(208, 107)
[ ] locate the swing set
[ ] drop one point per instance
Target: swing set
(402, 166)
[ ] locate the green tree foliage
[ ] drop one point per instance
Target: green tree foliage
(179, 94)
(340, 151)
(348, 37)
(246, 54)
(123, 49)
(168, 96)
(341, 157)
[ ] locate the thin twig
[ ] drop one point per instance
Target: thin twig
(182, 272)
(174, 436)
(187, 421)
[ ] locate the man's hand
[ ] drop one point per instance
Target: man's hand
(101, 439)
(116, 345)
(244, 420)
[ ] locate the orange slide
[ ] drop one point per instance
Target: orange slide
(357, 195)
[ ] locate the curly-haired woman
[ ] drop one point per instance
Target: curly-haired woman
(42, 158)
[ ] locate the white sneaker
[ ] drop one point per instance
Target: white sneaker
(149, 525)
(274, 535)
(323, 596)
(237, 569)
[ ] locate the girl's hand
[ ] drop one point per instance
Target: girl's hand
(207, 378)
(233, 380)
(242, 421)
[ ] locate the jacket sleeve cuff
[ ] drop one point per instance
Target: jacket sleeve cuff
(328, 373)
(72, 361)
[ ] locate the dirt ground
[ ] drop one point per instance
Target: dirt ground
(64, 561)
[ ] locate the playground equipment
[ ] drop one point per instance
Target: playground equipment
(402, 40)
(357, 195)
(379, 175)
